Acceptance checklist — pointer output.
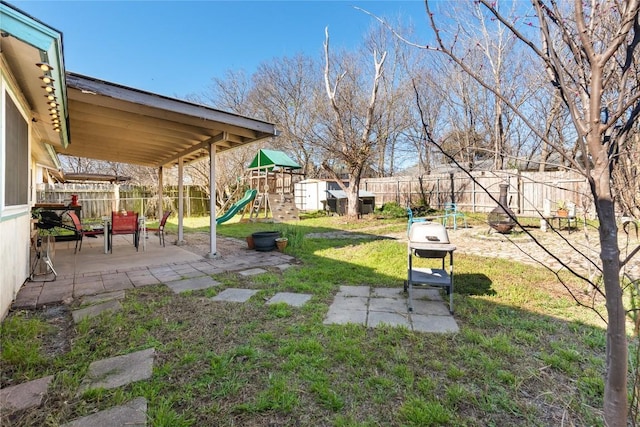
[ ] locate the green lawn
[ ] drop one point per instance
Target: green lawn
(525, 355)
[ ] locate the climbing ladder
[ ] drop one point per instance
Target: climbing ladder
(260, 202)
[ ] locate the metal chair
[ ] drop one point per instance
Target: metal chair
(124, 224)
(160, 228)
(80, 232)
(451, 211)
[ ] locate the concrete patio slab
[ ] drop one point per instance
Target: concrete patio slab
(95, 310)
(235, 295)
(354, 291)
(133, 413)
(377, 318)
(194, 284)
(252, 272)
(118, 371)
(436, 324)
(342, 317)
(350, 303)
(390, 305)
(25, 395)
(427, 293)
(397, 293)
(431, 308)
(290, 298)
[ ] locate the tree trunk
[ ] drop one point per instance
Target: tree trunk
(615, 387)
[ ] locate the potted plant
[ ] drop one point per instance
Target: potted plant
(281, 243)
(562, 210)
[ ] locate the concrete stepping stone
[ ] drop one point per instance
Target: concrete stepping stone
(193, 284)
(132, 413)
(397, 293)
(342, 317)
(118, 371)
(377, 318)
(252, 271)
(235, 295)
(389, 305)
(293, 299)
(349, 303)
(25, 395)
(426, 293)
(438, 324)
(95, 310)
(430, 308)
(106, 296)
(354, 291)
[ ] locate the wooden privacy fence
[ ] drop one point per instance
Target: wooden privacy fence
(100, 199)
(527, 190)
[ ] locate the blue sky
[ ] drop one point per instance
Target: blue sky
(175, 48)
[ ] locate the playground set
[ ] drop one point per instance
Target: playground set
(270, 196)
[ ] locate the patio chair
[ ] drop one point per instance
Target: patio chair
(124, 223)
(451, 211)
(412, 219)
(80, 231)
(160, 228)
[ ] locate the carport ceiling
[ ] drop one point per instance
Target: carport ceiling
(116, 123)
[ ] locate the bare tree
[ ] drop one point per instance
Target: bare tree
(349, 139)
(589, 52)
(286, 91)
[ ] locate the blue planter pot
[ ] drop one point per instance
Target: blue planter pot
(265, 240)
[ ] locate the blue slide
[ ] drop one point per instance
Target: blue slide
(249, 195)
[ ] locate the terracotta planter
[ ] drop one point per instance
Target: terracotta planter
(281, 243)
(250, 243)
(562, 213)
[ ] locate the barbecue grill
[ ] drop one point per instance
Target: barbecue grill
(430, 240)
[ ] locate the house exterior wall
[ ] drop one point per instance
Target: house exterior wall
(15, 220)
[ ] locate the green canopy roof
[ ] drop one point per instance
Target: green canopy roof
(269, 159)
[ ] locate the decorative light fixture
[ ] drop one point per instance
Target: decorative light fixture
(53, 104)
(44, 66)
(50, 97)
(46, 79)
(49, 88)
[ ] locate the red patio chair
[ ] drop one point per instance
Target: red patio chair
(160, 228)
(80, 232)
(124, 224)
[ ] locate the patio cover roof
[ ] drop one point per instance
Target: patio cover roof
(112, 122)
(269, 159)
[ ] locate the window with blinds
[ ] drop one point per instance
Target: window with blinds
(16, 179)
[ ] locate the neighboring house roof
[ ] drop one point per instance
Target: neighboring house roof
(340, 194)
(270, 159)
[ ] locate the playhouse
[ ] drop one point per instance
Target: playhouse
(272, 174)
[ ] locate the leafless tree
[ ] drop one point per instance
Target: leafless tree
(349, 139)
(287, 92)
(589, 52)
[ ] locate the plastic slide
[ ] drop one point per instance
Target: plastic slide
(249, 195)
